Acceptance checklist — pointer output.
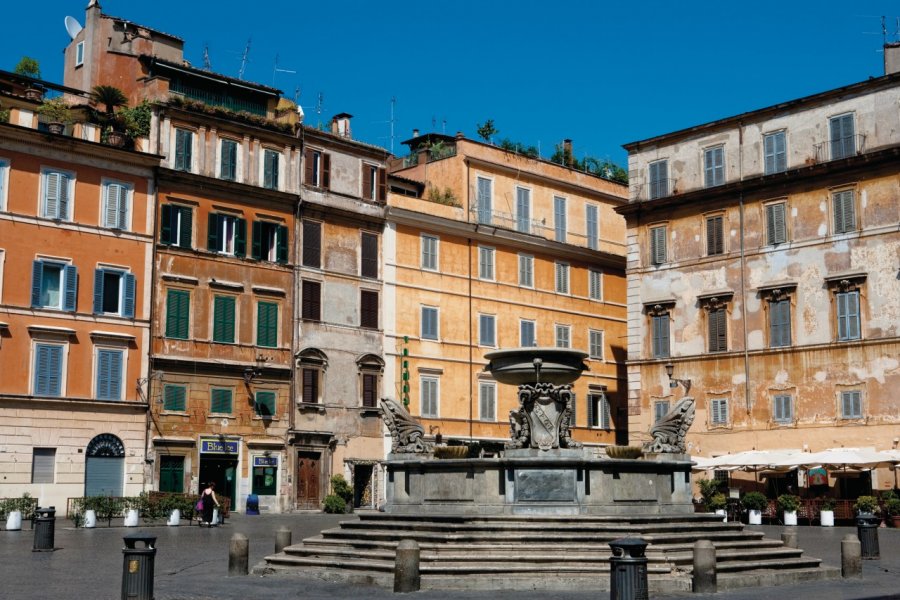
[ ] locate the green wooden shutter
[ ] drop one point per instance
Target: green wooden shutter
(187, 226)
(267, 324)
(220, 401)
(265, 404)
(165, 224)
(177, 314)
(174, 398)
(240, 237)
(212, 233)
(223, 319)
(256, 242)
(281, 244)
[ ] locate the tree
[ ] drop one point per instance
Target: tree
(109, 96)
(28, 67)
(487, 131)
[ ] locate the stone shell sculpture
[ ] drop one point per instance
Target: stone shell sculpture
(407, 435)
(669, 432)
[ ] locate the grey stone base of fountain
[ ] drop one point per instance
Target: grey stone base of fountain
(540, 482)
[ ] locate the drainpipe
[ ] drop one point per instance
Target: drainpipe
(743, 270)
(471, 363)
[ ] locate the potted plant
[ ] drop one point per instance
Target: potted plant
(29, 67)
(866, 505)
(58, 114)
(111, 98)
(826, 512)
(717, 504)
(92, 505)
(708, 489)
(789, 503)
(754, 503)
(136, 121)
(891, 507)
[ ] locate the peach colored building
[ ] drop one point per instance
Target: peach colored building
(76, 248)
(488, 249)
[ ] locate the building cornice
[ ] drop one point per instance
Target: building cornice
(230, 190)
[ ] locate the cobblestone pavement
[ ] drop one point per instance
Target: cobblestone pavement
(192, 564)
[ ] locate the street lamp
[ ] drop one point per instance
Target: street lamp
(673, 381)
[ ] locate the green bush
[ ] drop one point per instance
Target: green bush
(334, 504)
(892, 507)
(788, 502)
(866, 504)
(828, 504)
(341, 488)
(716, 502)
(754, 501)
(708, 489)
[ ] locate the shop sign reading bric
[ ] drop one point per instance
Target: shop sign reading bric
(215, 446)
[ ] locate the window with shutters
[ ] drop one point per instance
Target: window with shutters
(4, 183)
(715, 240)
(49, 361)
(592, 226)
(487, 330)
(114, 292)
(718, 411)
(109, 373)
(57, 195)
(660, 410)
(595, 344)
(527, 333)
(848, 313)
(429, 396)
(714, 166)
(2, 264)
(264, 404)
(311, 384)
(563, 334)
(485, 200)
(776, 226)
(178, 312)
(221, 401)
(374, 184)
(370, 367)
(174, 398)
(560, 225)
(271, 166)
(779, 323)
(43, 465)
(598, 411)
(369, 255)
(116, 204)
(775, 152)
(429, 324)
(369, 390)
(843, 138)
(368, 309)
(54, 285)
(270, 242)
(595, 284)
(783, 408)
(523, 210)
(717, 329)
(312, 244)
(227, 234)
(429, 245)
(659, 334)
(223, 319)
(267, 324)
(311, 301)
(184, 150)
(844, 208)
(317, 168)
(487, 401)
(659, 179)
(658, 245)
(176, 225)
(851, 404)
(228, 160)
(526, 270)
(486, 263)
(562, 278)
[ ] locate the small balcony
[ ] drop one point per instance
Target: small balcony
(658, 188)
(509, 221)
(839, 148)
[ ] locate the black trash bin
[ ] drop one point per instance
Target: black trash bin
(44, 529)
(867, 532)
(137, 568)
(628, 570)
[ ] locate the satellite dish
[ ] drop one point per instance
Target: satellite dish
(73, 27)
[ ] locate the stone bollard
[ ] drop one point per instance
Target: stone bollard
(239, 555)
(704, 577)
(789, 538)
(282, 539)
(406, 567)
(851, 557)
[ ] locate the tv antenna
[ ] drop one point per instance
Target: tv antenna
(297, 95)
(245, 58)
(393, 103)
(277, 70)
(207, 65)
(320, 102)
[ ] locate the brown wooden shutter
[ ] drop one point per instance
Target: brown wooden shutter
(326, 171)
(311, 308)
(312, 244)
(382, 185)
(367, 182)
(310, 175)
(310, 386)
(369, 253)
(369, 382)
(368, 309)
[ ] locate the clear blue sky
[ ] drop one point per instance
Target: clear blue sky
(600, 73)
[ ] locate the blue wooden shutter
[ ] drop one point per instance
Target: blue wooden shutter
(485, 208)
(109, 374)
(128, 282)
(37, 272)
(591, 220)
(661, 336)
(70, 275)
(48, 370)
(98, 291)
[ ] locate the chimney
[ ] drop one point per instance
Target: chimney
(415, 133)
(892, 58)
(567, 152)
(340, 125)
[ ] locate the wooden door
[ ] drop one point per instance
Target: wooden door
(308, 466)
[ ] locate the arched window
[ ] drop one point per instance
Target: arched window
(313, 363)
(104, 472)
(370, 369)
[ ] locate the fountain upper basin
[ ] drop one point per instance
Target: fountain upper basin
(516, 366)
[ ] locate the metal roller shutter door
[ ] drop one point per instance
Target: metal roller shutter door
(104, 476)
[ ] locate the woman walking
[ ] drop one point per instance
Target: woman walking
(209, 501)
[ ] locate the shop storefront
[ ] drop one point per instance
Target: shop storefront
(219, 463)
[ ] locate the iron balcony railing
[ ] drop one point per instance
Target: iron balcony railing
(839, 148)
(509, 221)
(659, 188)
